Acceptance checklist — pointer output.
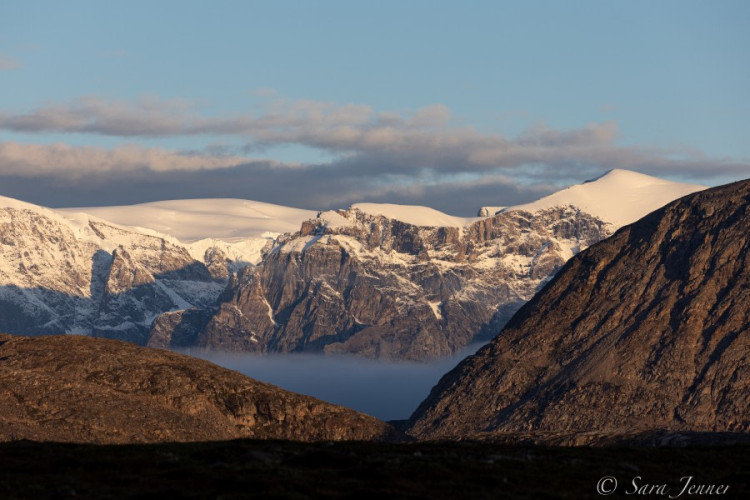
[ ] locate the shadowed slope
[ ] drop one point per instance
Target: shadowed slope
(646, 330)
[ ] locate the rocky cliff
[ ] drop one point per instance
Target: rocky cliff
(356, 282)
(79, 389)
(648, 330)
(92, 277)
(375, 280)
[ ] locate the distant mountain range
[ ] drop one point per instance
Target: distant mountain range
(646, 331)
(376, 280)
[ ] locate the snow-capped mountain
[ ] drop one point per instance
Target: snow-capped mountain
(644, 333)
(619, 197)
(409, 282)
(240, 228)
(378, 280)
(80, 274)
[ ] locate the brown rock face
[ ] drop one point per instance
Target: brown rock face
(647, 330)
(382, 288)
(80, 389)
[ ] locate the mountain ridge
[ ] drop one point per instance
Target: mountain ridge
(382, 280)
(586, 356)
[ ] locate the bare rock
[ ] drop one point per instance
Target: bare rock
(648, 330)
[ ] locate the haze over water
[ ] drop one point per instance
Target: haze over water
(384, 389)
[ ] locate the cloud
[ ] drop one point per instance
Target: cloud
(148, 117)
(62, 160)
(7, 63)
(61, 175)
(410, 157)
(421, 139)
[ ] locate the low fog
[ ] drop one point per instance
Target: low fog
(386, 390)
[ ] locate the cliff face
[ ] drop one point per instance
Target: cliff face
(352, 282)
(91, 277)
(647, 330)
(79, 389)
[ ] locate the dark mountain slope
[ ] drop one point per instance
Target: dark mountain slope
(79, 389)
(647, 330)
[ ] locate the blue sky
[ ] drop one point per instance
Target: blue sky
(320, 104)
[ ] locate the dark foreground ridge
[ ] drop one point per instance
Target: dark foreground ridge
(87, 390)
(648, 330)
(273, 469)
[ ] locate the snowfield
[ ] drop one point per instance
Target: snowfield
(619, 197)
(240, 228)
(224, 219)
(414, 214)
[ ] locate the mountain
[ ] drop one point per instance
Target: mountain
(376, 280)
(78, 389)
(618, 197)
(406, 282)
(240, 228)
(646, 331)
(80, 274)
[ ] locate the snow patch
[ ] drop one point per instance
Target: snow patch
(414, 214)
(435, 306)
(333, 219)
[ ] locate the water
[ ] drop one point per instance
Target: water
(384, 389)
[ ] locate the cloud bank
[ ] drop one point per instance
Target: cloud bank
(417, 156)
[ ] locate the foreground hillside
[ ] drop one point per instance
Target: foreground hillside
(647, 330)
(79, 389)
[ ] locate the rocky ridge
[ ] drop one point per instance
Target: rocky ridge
(648, 330)
(353, 282)
(376, 280)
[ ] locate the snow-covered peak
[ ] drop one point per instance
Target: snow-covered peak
(79, 224)
(15, 204)
(619, 196)
(226, 219)
(332, 219)
(414, 214)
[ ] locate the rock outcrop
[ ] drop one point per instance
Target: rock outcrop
(80, 389)
(646, 331)
(354, 282)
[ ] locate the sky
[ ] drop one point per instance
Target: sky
(322, 104)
